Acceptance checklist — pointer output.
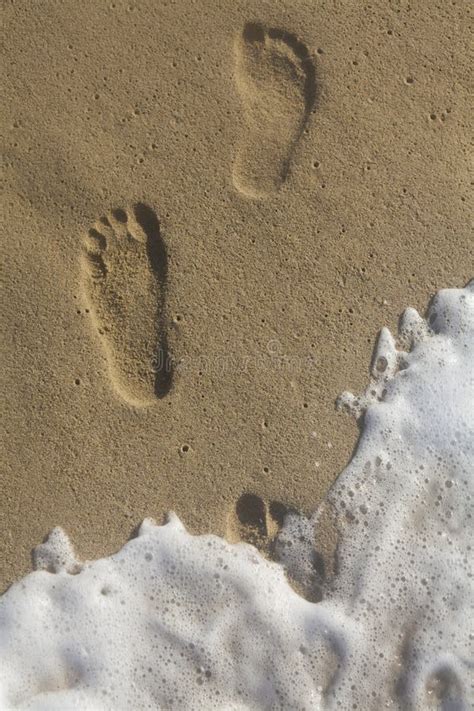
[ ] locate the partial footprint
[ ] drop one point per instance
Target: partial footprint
(279, 533)
(276, 79)
(255, 521)
(125, 276)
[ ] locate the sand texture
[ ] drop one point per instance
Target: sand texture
(210, 210)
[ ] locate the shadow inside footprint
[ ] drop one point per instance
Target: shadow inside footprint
(250, 510)
(158, 256)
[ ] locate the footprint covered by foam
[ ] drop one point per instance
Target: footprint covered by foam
(275, 76)
(125, 278)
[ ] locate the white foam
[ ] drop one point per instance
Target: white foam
(192, 622)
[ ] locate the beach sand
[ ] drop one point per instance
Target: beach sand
(267, 184)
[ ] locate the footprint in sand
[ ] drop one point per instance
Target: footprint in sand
(255, 521)
(276, 79)
(273, 528)
(125, 276)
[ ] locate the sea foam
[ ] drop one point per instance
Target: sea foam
(174, 621)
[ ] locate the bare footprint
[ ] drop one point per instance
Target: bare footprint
(125, 275)
(276, 79)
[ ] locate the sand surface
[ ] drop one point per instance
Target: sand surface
(243, 191)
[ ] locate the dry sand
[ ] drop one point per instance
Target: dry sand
(267, 184)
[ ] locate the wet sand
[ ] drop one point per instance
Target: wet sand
(266, 187)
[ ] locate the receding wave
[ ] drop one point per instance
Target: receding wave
(174, 621)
